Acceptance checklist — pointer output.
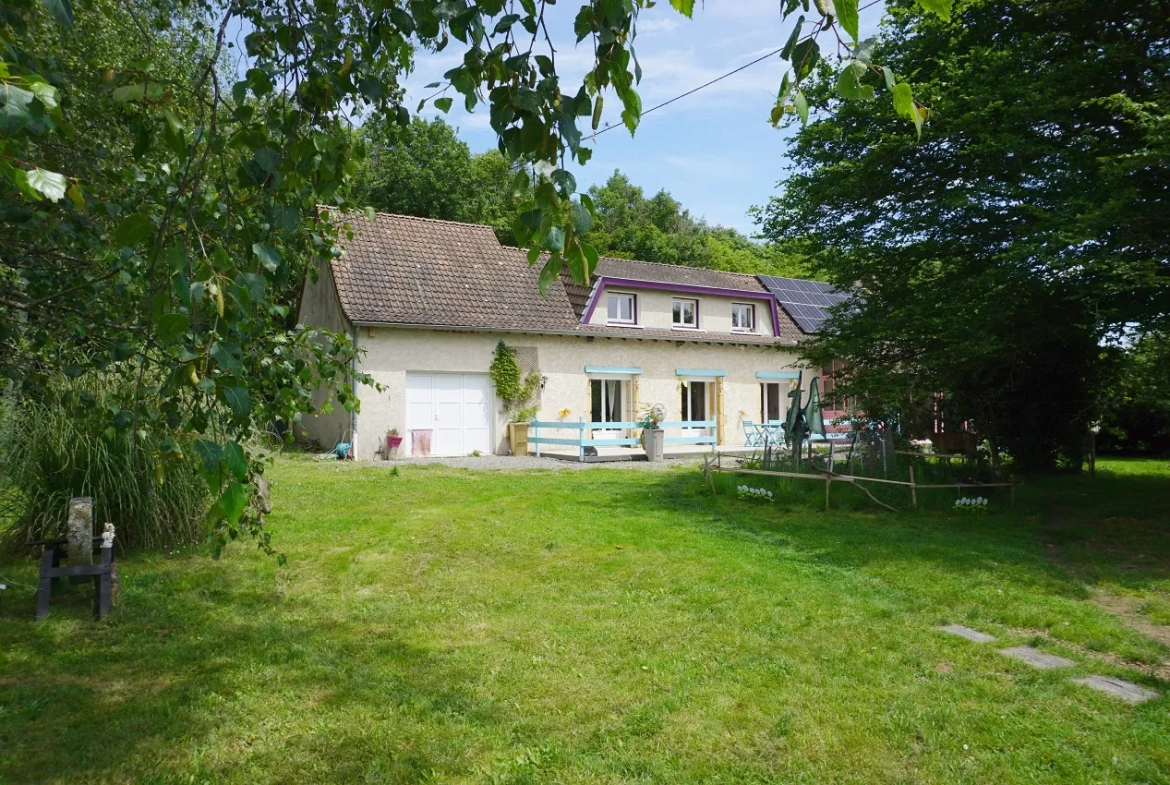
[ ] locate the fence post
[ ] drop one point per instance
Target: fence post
(536, 435)
(913, 488)
(581, 440)
(828, 484)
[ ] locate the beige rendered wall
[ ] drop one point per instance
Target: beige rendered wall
(656, 309)
(391, 353)
(321, 308)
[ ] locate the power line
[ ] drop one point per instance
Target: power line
(760, 59)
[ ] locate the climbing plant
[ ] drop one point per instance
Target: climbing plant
(512, 387)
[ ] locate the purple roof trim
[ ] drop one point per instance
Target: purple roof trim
(602, 282)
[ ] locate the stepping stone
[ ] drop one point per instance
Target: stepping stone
(1118, 688)
(1036, 658)
(968, 633)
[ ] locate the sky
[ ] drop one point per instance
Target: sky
(715, 151)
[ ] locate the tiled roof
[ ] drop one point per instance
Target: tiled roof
(405, 270)
(418, 271)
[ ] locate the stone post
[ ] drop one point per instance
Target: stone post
(80, 531)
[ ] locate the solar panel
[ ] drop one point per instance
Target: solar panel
(807, 302)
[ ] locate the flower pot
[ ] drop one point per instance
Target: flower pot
(392, 444)
(518, 437)
(652, 443)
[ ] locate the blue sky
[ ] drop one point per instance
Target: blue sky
(714, 151)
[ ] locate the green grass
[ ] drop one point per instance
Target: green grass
(605, 626)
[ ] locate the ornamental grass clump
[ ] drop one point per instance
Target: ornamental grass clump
(61, 446)
(758, 494)
(971, 505)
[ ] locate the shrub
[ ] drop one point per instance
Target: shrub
(59, 447)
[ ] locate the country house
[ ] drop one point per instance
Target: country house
(428, 301)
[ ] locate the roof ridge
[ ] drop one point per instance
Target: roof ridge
(685, 267)
(413, 218)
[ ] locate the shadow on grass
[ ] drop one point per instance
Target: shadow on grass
(199, 685)
(1064, 533)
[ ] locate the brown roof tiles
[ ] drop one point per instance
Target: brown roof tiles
(419, 271)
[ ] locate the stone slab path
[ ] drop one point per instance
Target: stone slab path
(1118, 688)
(968, 633)
(1036, 658)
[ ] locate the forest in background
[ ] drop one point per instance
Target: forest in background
(426, 170)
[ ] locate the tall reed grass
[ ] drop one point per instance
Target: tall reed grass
(60, 446)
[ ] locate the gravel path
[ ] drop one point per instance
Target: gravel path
(528, 462)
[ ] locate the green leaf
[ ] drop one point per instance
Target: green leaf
(49, 184)
(443, 104)
(209, 454)
(173, 134)
(133, 230)
(230, 505)
(800, 103)
(847, 15)
(128, 93)
(14, 114)
(550, 272)
(940, 7)
(239, 401)
(235, 460)
(564, 181)
(805, 56)
(684, 7)
(171, 326)
(269, 257)
(555, 239)
(849, 84)
(62, 11)
(76, 196)
(904, 106)
(169, 446)
(45, 93)
(582, 220)
(889, 75)
(786, 53)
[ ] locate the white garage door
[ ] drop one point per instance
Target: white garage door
(456, 410)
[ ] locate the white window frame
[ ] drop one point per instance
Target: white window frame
(633, 298)
(695, 312)
(781, 400)
(750, 310)
(686, 413)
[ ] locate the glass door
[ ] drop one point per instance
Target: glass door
(697, 399)
(609, 400)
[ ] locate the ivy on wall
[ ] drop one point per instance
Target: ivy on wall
(514, 389)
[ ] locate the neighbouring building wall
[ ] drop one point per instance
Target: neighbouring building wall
(320, 307)
(391, 353)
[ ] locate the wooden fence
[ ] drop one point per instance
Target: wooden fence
(828, 477)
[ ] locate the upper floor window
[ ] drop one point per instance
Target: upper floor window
(621, 308)
(743, 317)
(685, 313)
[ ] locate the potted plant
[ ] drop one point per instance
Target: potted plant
(650, 422)
(393, 441)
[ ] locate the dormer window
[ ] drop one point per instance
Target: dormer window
(621, 308)
(685, 313)
(743, 317)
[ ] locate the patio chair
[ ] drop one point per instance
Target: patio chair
(753, 434)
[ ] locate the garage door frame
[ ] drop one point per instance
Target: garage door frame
(439, 409)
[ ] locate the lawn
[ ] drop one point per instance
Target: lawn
(604, 625)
